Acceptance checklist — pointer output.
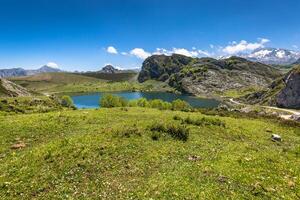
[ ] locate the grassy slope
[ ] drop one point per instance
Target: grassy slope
(68, 83)
(29, 104)
(126, 76)
(83, 154)
(53, 81)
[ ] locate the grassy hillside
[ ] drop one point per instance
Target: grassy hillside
(123, 153)
(10, 89)
(51, 81)
(75, 83)
(29, 104)
(124, 76)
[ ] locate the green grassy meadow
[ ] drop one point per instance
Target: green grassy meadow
(51, 83)
(112, 154)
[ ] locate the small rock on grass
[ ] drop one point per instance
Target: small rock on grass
(194, 158)
(276, 138)
(19, 145)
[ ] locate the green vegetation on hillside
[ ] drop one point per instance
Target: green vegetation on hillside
(143, 153)
(115, 77)
(29, 104)
(75, 83)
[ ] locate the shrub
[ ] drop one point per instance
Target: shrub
(132, 103)
(176, 131)
(129, 132)
(204, 121)
(177, 117)
(142, 102)
(67, 101)
(110, 101)
(180, 105)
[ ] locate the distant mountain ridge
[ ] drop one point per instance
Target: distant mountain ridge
(15, 72)
(275, 56)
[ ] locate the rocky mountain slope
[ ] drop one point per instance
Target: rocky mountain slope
(15, 72)
(273, 56)
(284, 92)
(206, 76)
(10, 89)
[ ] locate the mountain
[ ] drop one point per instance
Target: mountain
(111, 73)
(206, 76)
(109, 69)
(12, 72)
(15, 72)
(10, 89)
(283, 92)
(297, 62)
(273, 56)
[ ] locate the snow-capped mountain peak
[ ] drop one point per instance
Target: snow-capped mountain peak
(274, 56)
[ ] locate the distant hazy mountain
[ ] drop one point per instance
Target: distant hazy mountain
(13, 72)
(273, 56)
(109, 69)
(297, 62)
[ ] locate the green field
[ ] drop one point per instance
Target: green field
(115, 154)
(74, 83)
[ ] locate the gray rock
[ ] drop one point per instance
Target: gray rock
(295, 117)
(289, 96)
(276, 138)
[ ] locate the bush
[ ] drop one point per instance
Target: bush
(204, 121)
(110, 101)
(142, 102)
(180, 105)
(176, 131)
(129, 132)
(67, 101)
(177, 117)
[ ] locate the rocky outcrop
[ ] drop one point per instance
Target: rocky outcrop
(109, 69)
(283, 92)
(206, 76)
(10, 89)
(289, 96)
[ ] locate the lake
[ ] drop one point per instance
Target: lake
(91, 100)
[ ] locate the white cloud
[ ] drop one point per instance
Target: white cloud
(185, 52)
(295, 46)
(52, 64)
(112, 50)
(140, 53)
(211, 46)
(244, 46)
(124, 53)
(205, 53)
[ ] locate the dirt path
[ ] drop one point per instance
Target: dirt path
(291, 111)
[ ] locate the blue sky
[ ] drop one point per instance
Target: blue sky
(76, 34)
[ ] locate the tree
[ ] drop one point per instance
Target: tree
(110, 101)
(67, 101)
